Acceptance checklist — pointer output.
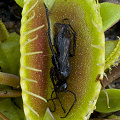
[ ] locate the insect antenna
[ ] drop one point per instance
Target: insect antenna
(57, 97)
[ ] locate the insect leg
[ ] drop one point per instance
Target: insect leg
(52, 102)
(52, 75)
(74, 41)
(73, 102)
(48, 33)
(57, 97)
(60, 101)
(49, 38)
(74, 37)
(66, 19)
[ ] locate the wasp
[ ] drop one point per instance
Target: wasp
(60, 71)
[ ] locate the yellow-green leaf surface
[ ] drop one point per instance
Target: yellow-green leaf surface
(110, 14)
(88, 63)
(86, 67)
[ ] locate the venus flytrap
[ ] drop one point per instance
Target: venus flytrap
(55, 17)
(86, 66)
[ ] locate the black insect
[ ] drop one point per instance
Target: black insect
(60, 71)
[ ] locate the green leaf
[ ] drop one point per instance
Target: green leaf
(20, 2)
(114, 117)
(49, 3)
(18, 102)
(110, 14)
(47, 116)
(112, 53)
(114, 101)
(109, 47)
(11, 107)
(3, 32)
(10, 54)
(7, 108)
(18, 105)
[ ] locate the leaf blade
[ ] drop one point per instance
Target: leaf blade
(110, 14)
(114, 98)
